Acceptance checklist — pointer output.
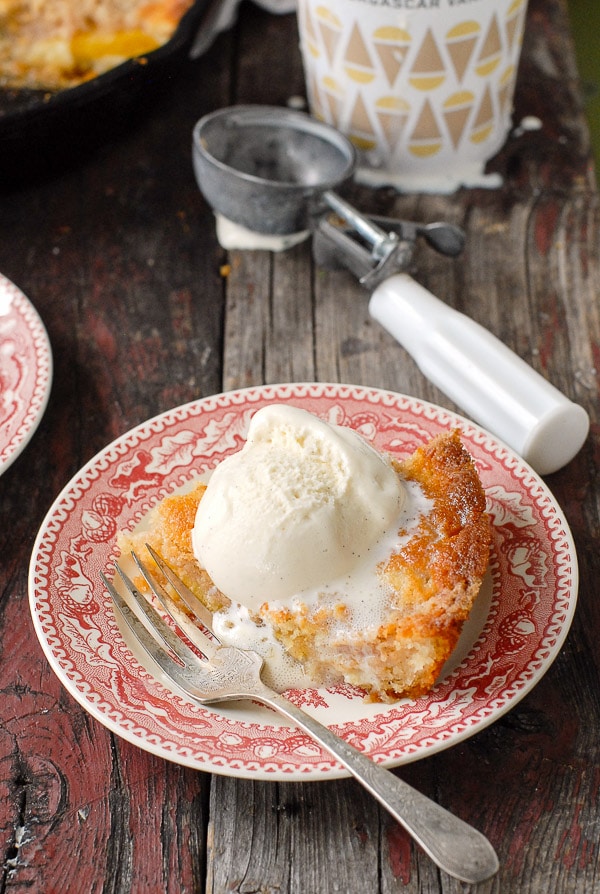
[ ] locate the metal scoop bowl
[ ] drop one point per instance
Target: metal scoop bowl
(272, 171)
(268, 168)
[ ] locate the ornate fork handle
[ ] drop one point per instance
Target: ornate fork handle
(231, 674)
(452, 844)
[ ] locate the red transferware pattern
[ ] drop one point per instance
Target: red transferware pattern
(25, 371)
(518, 626)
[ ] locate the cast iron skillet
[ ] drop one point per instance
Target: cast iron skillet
(42, 131)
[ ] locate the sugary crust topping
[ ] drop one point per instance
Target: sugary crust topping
(64, 43)
(450, 549)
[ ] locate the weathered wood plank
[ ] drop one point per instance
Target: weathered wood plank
(311, 837)
(119, 254)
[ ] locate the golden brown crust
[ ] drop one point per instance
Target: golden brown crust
(449, 552)
(433, 579)
(52, 46)
(169, 532)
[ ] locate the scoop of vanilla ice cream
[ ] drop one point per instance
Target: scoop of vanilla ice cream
(302, 503)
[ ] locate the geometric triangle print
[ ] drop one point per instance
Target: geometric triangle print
(360, 120)
(484, 120)
(358, 62)
(392, 113)
(309, 30)
(514, 19)
(426, 127)
(457, 110)
(505, 89)
(460, 43)
(428, 70)
(334, 97)
(330, 29)
(392, 45)
(491, 51)
(314, 97)
(360, 128)
(426, 138)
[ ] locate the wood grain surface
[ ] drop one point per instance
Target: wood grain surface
(117, 251)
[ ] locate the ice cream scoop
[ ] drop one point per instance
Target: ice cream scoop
(302, 503)
(271, 171)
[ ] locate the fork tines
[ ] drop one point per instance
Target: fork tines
(163, 645)
(151, 630)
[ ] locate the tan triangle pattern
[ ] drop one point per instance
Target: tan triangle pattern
(460, 43)
(505, 90)
(490, 54)
(428, 70)
(350, 63)
(330, 29)
(426, 127)
(514, 19)
(311, 35)
(457, 109)
(362, 132)
(484, 120)
(358, 63)
(314, 96)
(391, 45)
(333, 100)
(392, 114)
(426, 137)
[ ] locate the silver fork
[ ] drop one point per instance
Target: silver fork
(231, 674)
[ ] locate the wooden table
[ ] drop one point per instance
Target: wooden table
(119, 255)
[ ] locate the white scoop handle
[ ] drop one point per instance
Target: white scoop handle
(482, 375)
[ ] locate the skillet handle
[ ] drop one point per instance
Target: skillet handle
(482, 375)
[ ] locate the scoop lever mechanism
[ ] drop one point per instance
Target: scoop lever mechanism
(361, 244)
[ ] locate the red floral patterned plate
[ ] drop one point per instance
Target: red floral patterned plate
(25, 371)
(516, 630)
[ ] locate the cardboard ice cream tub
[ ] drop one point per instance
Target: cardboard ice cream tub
(423, 88)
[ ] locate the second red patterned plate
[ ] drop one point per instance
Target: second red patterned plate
(517, 628)
(25, 371)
